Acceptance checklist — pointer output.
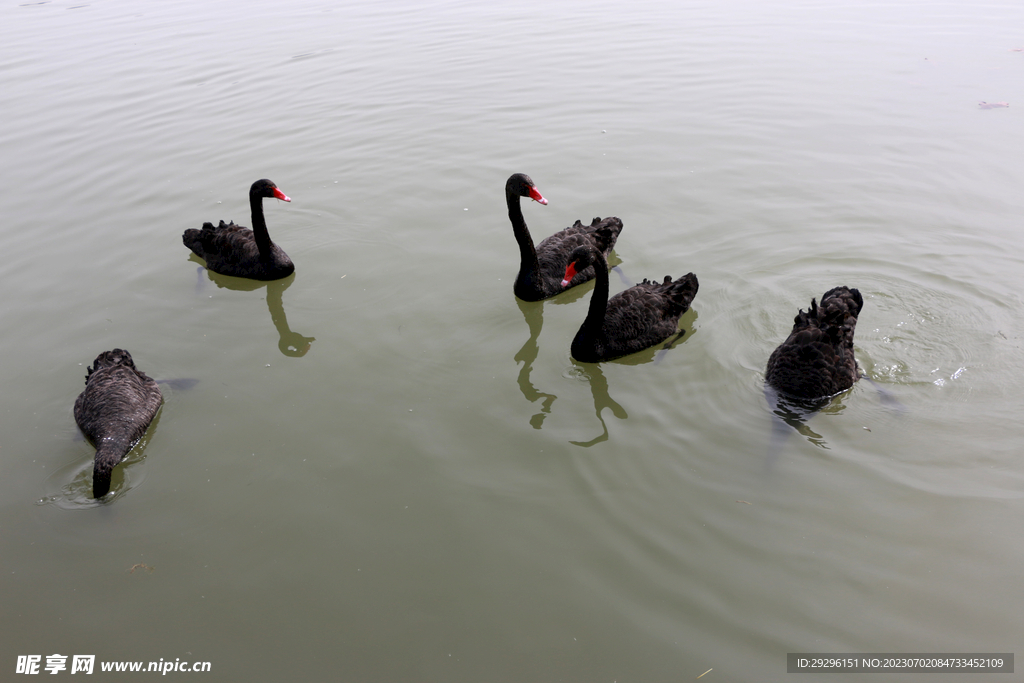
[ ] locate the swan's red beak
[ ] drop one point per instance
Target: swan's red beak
(281, 195)
(570, 273)
(537, 196)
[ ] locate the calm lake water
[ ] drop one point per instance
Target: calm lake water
(387, 468)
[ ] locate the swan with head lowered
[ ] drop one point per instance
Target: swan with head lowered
(816, 360)
(541, 268)
(231, 249)
(630, 321)
(114, 411)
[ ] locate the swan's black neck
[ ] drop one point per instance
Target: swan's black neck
(528, 266)
(594, 323)
(109, 452)
(259, 227)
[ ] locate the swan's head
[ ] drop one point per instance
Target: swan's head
(521, 185)
(579, 259)
(267, 188)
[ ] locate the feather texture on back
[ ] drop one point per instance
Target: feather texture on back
(114, 411)
(817, 360)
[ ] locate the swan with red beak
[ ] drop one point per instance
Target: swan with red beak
(541, 267)
(231, 249)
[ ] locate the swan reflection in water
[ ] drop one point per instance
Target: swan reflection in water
(602, 400)
(790, 412)
(599, 383)
(533, 313)
(794, 412)
(290, 343)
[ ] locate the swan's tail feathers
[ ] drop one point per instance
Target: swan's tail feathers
(840, 302)
(191, 238)
(816, 360)
(605, 232)
(109, 359)
(838, 305)
(204, 240)
(194, 239)
(107, 458)
(683, 290)
(100, 479)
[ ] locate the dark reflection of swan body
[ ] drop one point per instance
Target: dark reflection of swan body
(290, 343)
(534, 315)
(114, 411)
(797, 412)
(602, 400)
(793, 412)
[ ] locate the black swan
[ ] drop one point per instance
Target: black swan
(231, 249)
(641, 316)
(816, 360)
(114, 411)
(541, 267)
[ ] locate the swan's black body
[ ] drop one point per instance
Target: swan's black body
(541, 267)
(816, 360)
(114, 411)
(632, 320)
(231, 249)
